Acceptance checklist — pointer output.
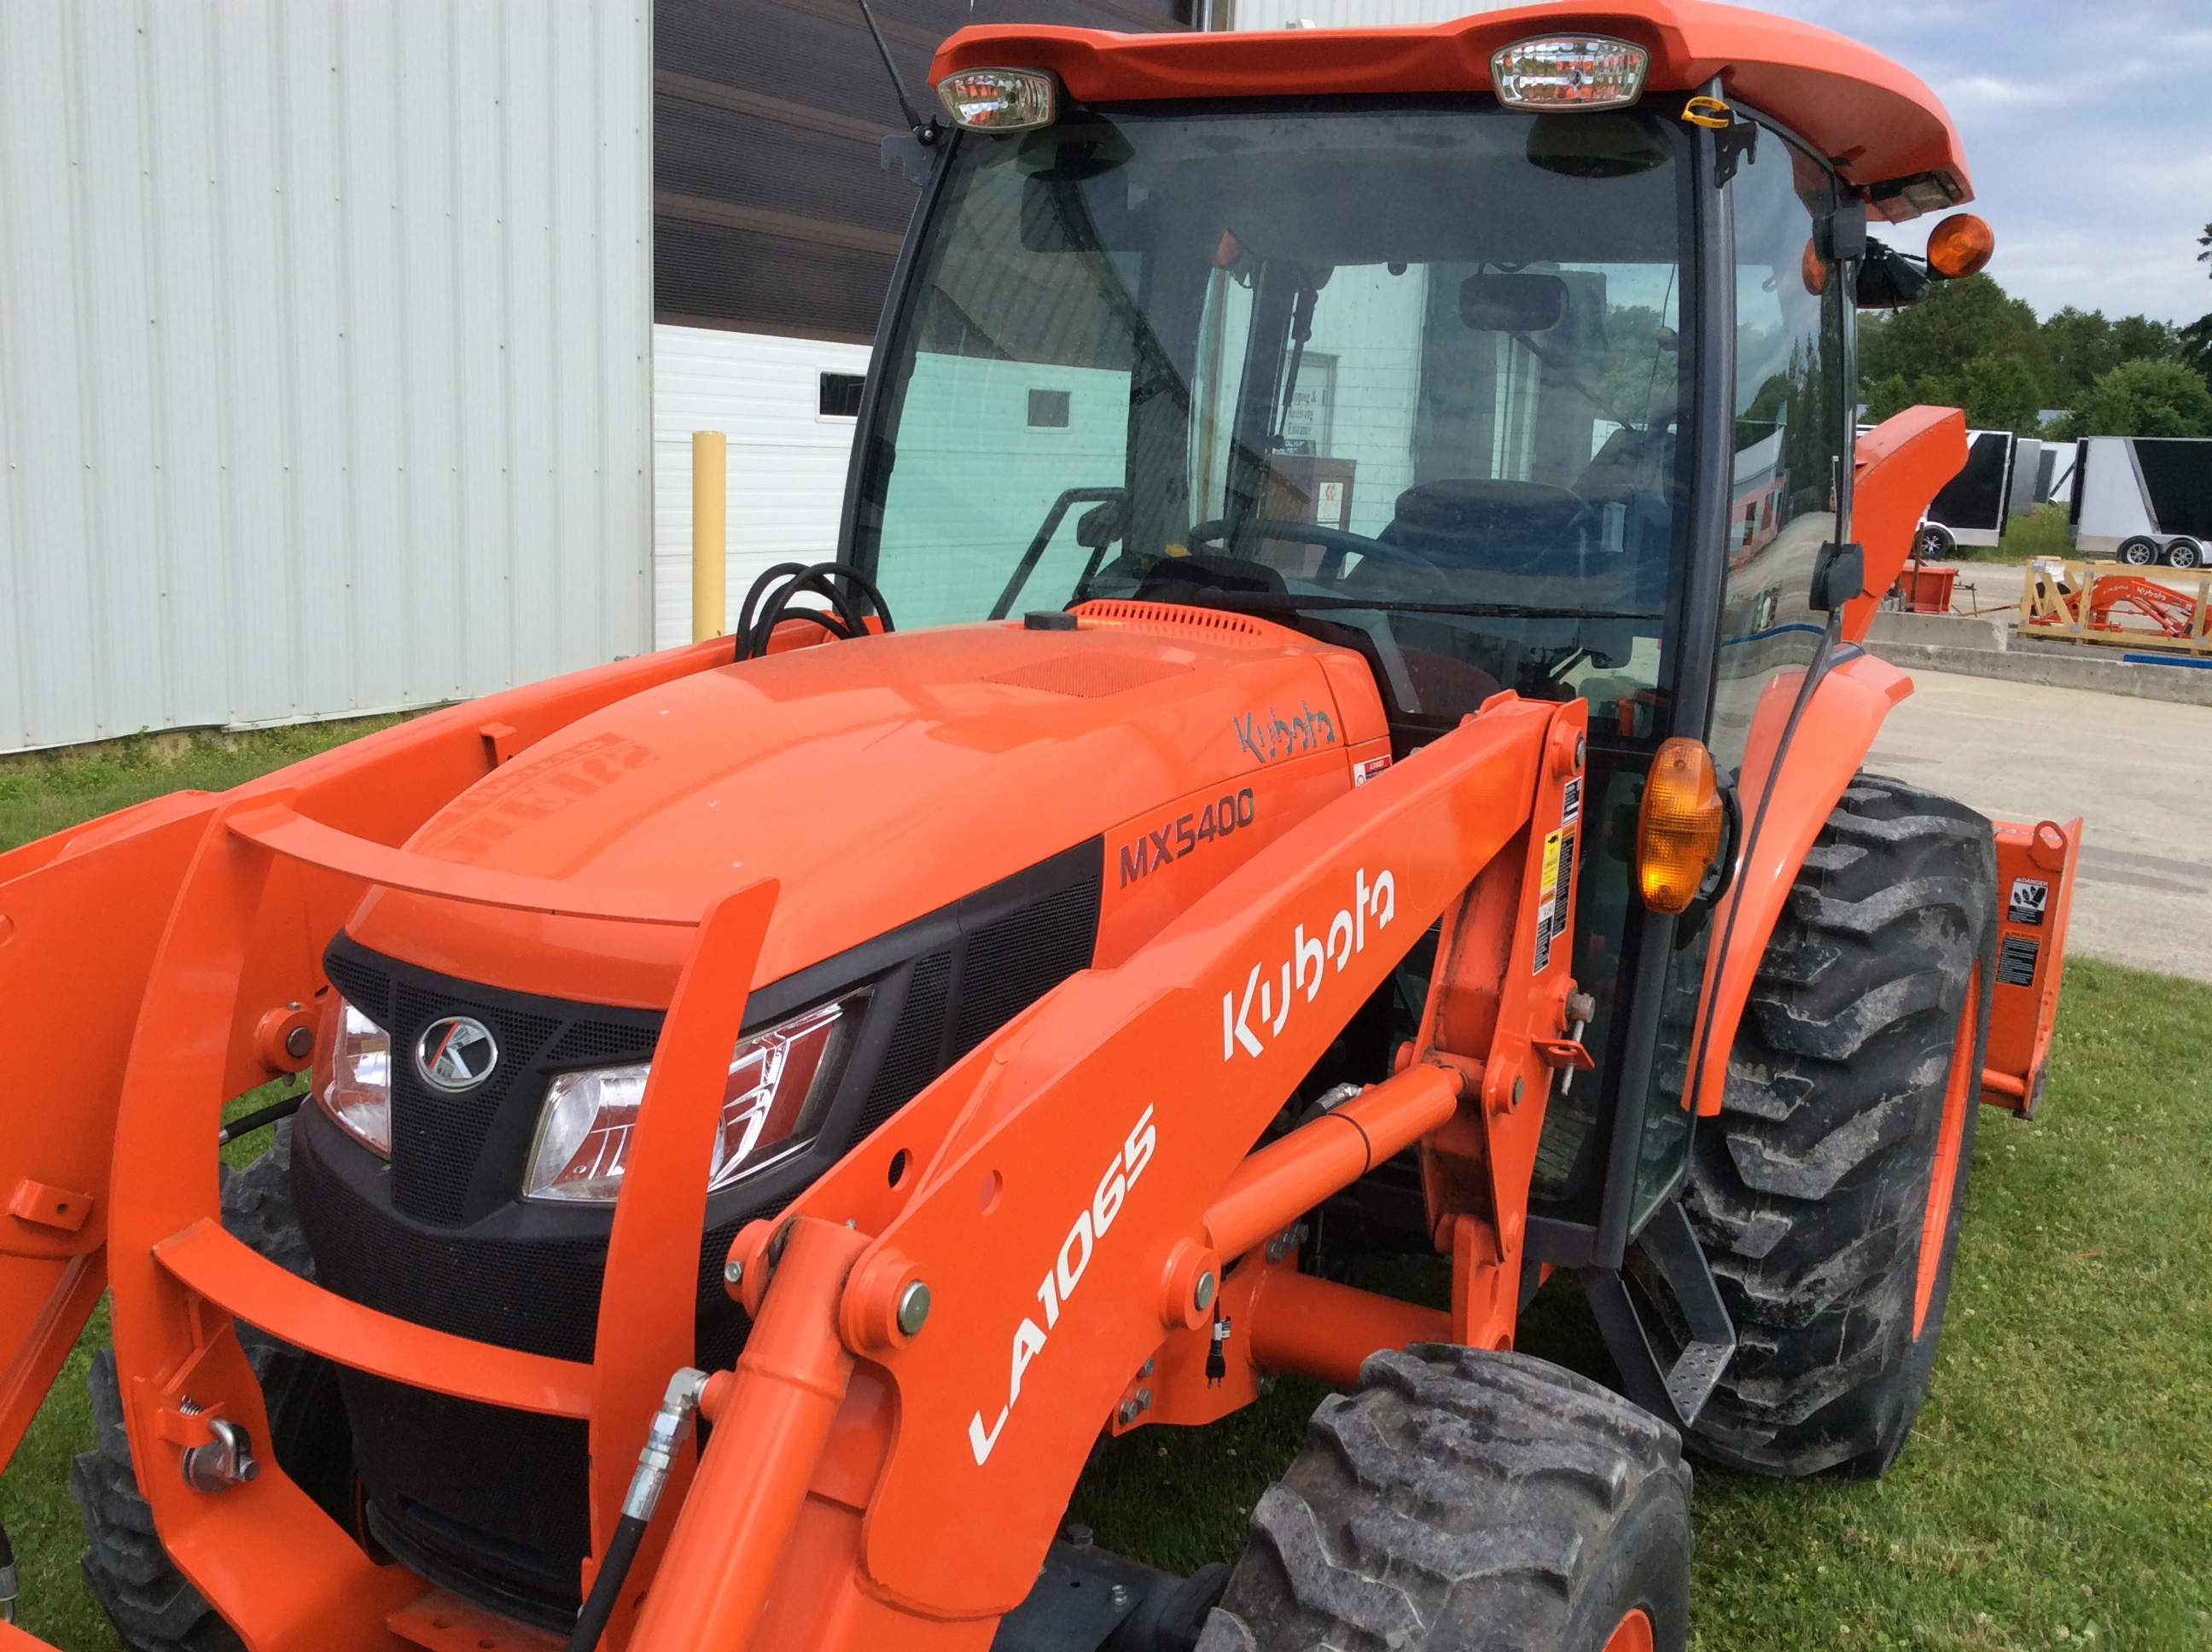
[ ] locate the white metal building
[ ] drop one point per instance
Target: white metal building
(329, 383)
(325, 335)
(787, 458)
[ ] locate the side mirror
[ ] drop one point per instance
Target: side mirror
(1838, 576)
(1522, 303)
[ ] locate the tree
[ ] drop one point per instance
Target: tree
(2145, 399)
(2079, 351)
(2001, 392)
(2196, 338)
(1957, 321)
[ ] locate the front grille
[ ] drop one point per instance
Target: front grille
(438, 1140)
(538, 1294)
(492, 1504)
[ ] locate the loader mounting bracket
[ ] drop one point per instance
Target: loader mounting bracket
(1090, 1600)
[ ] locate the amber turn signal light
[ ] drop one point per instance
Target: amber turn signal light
(1677, 829)
(1814, 270)
(1960, 245)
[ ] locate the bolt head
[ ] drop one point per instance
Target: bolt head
(1203, 1296)
(300, 1043)
(734, 1274)
(1519, 1084)
(1581, 751)
(914, 1308)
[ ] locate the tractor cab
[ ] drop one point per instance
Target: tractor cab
(1518, 391)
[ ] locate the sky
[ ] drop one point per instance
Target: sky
(2088, 128)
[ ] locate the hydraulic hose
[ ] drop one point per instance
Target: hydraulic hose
(274, 1113)
(606, 1586)
(672, 1426)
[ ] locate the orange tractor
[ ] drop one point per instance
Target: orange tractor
(1367, 765)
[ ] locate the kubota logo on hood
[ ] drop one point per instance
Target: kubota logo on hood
(1269, 735)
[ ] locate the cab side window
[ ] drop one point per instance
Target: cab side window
(1789, 436)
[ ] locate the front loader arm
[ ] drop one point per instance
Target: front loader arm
(1074, 1194)
(83, 914)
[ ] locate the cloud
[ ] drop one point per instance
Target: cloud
(2087, 131)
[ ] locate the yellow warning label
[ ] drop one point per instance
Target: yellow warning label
(1551, 881)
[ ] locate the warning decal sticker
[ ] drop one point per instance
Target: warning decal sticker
(2016, 961)
(1570, 802)
(2029, 898)
(1552, 892)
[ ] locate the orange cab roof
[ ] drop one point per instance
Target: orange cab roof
(1875, 120)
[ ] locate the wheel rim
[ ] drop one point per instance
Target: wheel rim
(1631, 1634)
(2183, 555)
(2137, 555)
(1958, 1096)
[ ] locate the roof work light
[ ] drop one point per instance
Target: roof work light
(1569, 72)
(998, 100)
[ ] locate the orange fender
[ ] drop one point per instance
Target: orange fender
(1903, 462)
(1833, 739)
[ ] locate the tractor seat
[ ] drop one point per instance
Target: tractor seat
(1505, 525)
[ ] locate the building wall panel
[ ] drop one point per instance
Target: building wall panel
(786, 461)
(325, 356)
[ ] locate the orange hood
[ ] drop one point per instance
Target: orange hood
(877, 780)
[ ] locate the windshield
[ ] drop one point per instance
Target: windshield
(1408, 371)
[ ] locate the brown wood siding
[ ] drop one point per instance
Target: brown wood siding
(771, 211)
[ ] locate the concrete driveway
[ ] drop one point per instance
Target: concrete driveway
(2135, 770)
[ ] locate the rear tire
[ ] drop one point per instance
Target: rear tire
(153, 1606)
(2183, 553)
(1467, 1501)
(1811, 1192)
(1937, 544)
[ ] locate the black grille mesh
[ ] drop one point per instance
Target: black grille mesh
(592, 1041)
(1018, 959)
(367, 989)
(540, 1296)
(437, 1139)
(917, 1046)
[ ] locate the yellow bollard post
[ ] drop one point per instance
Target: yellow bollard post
(710, 484)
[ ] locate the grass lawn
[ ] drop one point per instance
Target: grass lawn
(2041, 532)
(2057, 1490)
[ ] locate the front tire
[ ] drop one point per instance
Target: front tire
(1937, 544)
(1828, 1194)
(2137, 553)
(1464, 1500)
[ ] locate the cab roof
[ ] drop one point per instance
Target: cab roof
(1878, 122)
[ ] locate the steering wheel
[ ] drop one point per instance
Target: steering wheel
(1337, 542)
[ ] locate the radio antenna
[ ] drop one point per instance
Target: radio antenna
(924, 134)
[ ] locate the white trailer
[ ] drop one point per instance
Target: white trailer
(1997, 483)
(2142, 500)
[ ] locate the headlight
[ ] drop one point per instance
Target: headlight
(780, 1082)
(356, 1090)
